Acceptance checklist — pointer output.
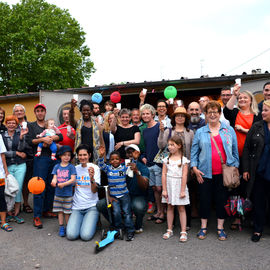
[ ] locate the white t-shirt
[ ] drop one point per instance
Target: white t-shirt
(84, 197)
(2, 150)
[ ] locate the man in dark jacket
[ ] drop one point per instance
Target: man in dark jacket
(266, 95)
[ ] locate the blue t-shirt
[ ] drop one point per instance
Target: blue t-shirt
(150, 136)
(63, 175)
(132, 183)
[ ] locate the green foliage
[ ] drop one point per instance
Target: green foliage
(41, 47)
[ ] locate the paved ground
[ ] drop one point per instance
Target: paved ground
(27, 247)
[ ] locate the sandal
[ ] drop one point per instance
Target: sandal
(222, 236)
(183, 237)
(27, 209)
(202, 233)
(167, 235)
(160, 220)
(6, 227)
(18, 219)
(151, 218)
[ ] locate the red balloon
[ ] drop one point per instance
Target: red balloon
(115, 97)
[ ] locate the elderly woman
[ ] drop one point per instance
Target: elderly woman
(84, 217)
(206, 165)
(14, 140)
(124, 133)
(256, 170)
(87, 131)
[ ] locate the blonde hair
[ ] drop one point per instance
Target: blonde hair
(267, 102)
(47, 122)
(106, 122)
(253, 105)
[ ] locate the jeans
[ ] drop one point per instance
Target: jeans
(43, 168)
(18, 171)
(138, 208)
(82, 223)
(155, 176)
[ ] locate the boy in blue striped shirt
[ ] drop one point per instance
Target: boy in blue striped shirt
(119, 195)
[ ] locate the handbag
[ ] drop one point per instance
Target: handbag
(162, 153)
(231, 177)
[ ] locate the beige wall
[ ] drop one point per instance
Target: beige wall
(28, 103)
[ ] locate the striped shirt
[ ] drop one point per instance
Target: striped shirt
(116, 178)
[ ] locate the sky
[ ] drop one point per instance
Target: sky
(151, 40)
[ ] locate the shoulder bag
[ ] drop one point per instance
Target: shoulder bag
(231, 178)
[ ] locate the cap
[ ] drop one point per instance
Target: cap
(40, 105)
(133, 146)
(64, 149)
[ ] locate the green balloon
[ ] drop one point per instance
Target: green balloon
(170, 92)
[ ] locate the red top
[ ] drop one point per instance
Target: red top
(66, 139)
(216, 162)
(244, 120)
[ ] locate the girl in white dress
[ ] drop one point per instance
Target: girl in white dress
(174, 186)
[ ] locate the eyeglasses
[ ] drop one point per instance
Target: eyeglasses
(226, 95)
(213, 113)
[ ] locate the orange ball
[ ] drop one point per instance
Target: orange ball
(36, 185)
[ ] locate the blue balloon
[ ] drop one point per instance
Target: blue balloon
(97, 97)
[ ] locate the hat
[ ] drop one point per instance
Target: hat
(181, 110)
(133, 146)
(40, 105)
(64, 149)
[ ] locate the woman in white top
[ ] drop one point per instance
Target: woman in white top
(84, 217)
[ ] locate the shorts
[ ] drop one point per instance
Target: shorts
(155, 176)
(3, 204)
(62, 204)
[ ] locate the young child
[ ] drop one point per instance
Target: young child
(63, 179)
(174, 186)
(50, 130)
(119, 195)
(109, 106)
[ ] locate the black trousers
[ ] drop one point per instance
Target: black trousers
(213, 189)
(261, 194)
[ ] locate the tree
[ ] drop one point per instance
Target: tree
(41, 47)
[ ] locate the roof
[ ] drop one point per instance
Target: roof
(184, 84)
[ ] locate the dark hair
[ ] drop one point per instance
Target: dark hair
(162, 100)
(177, 140)
(213, 104)
(266, 84)
(109, 102)
(186, 124)
(225, 88)
(86, 147)
(4, 113)
(95, 103)
(115, 153)
(85, 102)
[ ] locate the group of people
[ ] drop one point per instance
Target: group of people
(150, 158)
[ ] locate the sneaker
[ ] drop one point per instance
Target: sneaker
(37, 223)
(49, 214)
(151, 208)
(18, 219)
(62, 231)
(139, 230)
(130, 236)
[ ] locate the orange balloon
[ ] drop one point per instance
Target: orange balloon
(36, 185)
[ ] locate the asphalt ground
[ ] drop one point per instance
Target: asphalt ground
(30, 248)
